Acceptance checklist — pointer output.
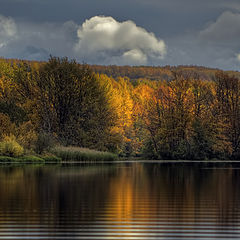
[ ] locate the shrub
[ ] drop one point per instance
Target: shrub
(44, 142)
(26, 135)
(5, 159)
(31, 159)
(51, 159)
(9, 147)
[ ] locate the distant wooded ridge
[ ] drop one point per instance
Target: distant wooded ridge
(147, 72)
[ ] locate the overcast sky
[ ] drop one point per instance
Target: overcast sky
(134, 32)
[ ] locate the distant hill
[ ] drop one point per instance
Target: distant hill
(156, 73)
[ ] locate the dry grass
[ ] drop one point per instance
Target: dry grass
(78, 154)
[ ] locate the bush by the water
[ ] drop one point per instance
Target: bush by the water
(51, 159)
(44, 142)
(6, 159)
(10, 147)
(31, 159)
(83, 154)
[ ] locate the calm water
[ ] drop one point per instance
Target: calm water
(120, 201)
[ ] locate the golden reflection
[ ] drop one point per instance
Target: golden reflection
(123, 193)
(129, 199)
(158, 193)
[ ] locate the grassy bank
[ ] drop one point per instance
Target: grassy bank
(77, 154)
(60, 154)
(32, 159)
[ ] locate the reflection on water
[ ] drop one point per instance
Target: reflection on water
(120, 201)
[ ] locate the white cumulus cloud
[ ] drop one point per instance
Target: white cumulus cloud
(136, 56)
(8, 30)
(111, 42)
(238, 57)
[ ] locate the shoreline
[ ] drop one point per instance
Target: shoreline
(123, 161)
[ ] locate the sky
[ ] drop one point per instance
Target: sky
(126, 32)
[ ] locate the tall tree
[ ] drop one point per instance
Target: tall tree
(228, 107)
(71, 103)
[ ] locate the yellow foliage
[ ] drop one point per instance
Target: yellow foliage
(6, 127)
(10, 147)
(26, 135)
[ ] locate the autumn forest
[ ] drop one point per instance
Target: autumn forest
(183, 112)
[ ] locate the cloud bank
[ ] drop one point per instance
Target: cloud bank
(225, 30)
(222, 36)
(99, 40)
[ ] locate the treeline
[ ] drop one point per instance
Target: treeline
(184, 113)
(154, 73)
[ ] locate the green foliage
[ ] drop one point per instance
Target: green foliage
(6, 126)
(5, 159)
(51, 159)
(77, 154)
(26, 135)
(31, 159)
(72, 104)
(15, 113)
(149, 152)
(201, 141)
(182, 151)
(9, 147)
(44, 142)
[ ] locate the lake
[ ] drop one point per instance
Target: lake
(120, 201)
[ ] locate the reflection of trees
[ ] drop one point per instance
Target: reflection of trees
(174, 193)
(56, 195)
(127, 190)
(124, 193)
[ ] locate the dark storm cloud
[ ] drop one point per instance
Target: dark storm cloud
(159, 16)
(99, 39)
(195, 32)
